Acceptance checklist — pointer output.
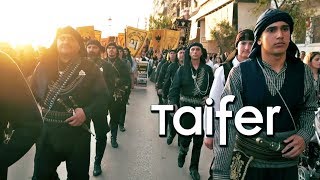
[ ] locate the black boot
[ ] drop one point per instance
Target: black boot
(55, 177)
(100, 148)
(97, 169)
(121, 128)
(194, 174)
(182, 156)
(114, 142)
(169, 139)
(181, 159)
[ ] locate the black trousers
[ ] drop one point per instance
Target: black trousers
(116, 109)
(101, 129)
(70, 144)
(290, 173)
(196, 148)
(123, 116)
(3, 174)
(169, 124)
(160, 99)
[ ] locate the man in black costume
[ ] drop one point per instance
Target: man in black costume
(163, 71)
(190, 87)
(100, 122)
(71, 91)
(118, 81)
(171, 71)
(21, 120)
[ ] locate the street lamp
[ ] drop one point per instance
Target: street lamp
(109, 26)
(109, 21)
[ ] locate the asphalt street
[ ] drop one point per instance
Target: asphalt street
(142, 154)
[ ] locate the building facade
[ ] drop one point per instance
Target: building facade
(206, 14)
(171, 8)
(241, 14)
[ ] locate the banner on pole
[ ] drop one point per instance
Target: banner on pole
(135, 39)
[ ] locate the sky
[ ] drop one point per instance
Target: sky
(35, 21)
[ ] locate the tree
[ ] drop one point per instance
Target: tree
(299, 10)
(162, 22)
(224, 34)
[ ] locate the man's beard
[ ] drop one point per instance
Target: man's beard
(112, 56)
(93, 55)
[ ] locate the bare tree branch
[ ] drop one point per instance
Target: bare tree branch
(283, 2)
(276, 3)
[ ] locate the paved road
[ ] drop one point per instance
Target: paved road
(142, 154)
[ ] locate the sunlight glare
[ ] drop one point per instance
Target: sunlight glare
(35, 21)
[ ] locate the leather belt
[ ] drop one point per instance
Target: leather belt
(252, 148)
(190, 100)
(55, 116)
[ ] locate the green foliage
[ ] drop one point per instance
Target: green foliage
(224, 34)
(298, 9)
(162, 22)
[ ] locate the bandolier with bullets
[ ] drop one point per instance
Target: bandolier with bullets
(70, 90)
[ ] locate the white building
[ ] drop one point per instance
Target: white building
(205, 14)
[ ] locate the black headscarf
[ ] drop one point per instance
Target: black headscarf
(48, 66)
(176, 56)
(50, 55)
(75, 34)
(114, 45)
(268, 17)
(94, 42)
(244, 35)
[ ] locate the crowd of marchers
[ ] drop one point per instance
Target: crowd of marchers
(52, 101)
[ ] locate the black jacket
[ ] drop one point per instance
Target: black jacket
(184, 85)
(86, 86)
(160, 64)
(117, 78)
(162, 74)
(19, 108)
(171, 71)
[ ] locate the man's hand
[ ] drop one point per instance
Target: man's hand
(208, 141)
(77, 119)
(204, 100)
(175, 108)
(295, 145)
